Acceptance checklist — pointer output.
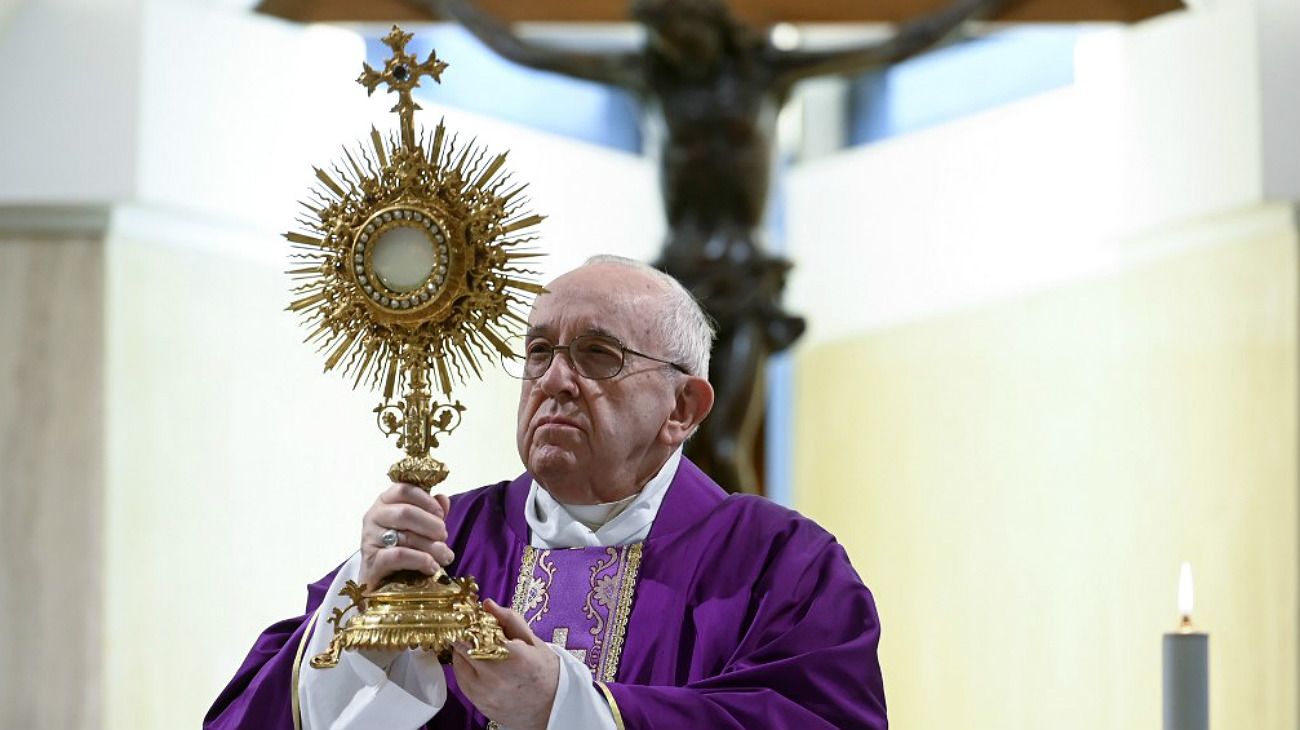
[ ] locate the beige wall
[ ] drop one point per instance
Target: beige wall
(51, 480)
(1018, 481)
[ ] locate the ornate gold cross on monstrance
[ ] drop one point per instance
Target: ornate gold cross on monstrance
(410, 272)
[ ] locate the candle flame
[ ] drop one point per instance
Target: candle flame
(1185, 590)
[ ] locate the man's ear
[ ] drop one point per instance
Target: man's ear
(694, 401)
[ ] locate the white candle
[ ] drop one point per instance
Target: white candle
(1186, 666)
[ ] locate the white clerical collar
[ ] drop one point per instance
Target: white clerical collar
(617, 523)
(595, 516)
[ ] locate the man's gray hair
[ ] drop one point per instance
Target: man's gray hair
(684, 329)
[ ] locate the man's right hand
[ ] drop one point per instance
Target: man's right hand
(419, 519)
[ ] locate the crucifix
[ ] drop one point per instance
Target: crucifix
(716, 85)
(401, 74)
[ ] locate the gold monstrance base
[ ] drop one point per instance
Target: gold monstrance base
(415, 611)
(412, 610)
(432, 613)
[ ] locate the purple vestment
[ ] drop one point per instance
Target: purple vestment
(743, 615)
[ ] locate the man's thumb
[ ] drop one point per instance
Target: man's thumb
(445, 503)
(514, 625)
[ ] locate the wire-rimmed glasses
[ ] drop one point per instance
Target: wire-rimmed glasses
(596, 357)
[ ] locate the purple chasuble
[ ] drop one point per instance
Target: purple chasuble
(740, 614)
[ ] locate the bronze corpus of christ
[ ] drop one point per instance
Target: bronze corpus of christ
(716, 86)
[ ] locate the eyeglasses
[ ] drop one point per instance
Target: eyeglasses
(595, 357)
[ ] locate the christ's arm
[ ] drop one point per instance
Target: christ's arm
(621, 69)
(913, 37)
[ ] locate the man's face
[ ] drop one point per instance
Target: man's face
(586, 439)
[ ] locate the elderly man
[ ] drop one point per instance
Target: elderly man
(640, 594)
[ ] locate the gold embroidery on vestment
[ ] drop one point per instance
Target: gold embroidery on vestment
(618, 628)
(522, 586)
(615, 595)
(297, 666)
(560, 637)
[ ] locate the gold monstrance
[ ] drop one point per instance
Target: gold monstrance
(410, 270)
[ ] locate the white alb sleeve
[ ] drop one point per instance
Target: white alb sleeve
(578, 704)
(366, 689)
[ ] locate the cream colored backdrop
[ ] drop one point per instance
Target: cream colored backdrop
(1052, 354)
(1019, 481)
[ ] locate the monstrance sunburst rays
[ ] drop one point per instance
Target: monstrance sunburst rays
(477, 288)
(411, 269)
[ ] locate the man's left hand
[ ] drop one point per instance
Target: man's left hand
(517, 692)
